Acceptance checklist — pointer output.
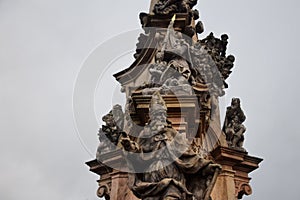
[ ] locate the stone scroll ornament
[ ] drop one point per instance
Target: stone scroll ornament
(171, 169)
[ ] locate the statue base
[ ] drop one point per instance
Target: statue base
(232, 183)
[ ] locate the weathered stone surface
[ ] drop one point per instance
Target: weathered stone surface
(170, 168)
(170, 7)
(171, 124)
(233, 127)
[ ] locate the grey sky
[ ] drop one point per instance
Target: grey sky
(44, 43)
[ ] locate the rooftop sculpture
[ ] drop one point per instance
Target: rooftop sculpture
(168, 142)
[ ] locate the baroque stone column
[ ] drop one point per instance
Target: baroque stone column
(172, 92)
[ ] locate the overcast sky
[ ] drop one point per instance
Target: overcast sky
(45, 44)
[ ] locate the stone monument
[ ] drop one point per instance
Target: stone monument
(168, 143)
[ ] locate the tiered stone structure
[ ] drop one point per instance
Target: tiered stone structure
(189, 75)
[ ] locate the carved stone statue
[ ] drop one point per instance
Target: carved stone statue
(109, 134)
(216, 49)
(156, 70)
(171, 71)
(176, 161)
(140, 45)
(170, 7)
(168, 168)
(233, 127)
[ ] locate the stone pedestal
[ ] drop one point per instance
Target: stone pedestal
(112, 183)
(234, 181)
(231, 184)
(119, 189)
